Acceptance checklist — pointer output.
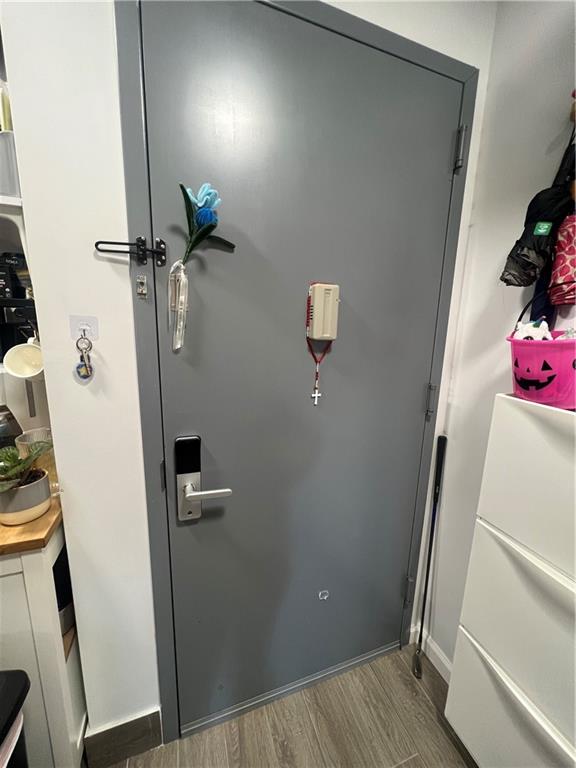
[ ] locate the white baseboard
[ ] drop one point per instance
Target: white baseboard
(433, 651)
(437, 657)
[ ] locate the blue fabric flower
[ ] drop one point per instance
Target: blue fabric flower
(207, 197)
(206, 215)
(201, 217)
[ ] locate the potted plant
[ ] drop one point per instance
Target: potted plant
(24, 488)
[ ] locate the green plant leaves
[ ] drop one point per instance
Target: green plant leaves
(6, 485)
(40, 447)
(9, 471)
(13, 469)
(9, 458)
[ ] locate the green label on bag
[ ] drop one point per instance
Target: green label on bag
(542, 227)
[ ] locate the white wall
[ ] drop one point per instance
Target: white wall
(526, 127)
(465, 31)
(61, 62)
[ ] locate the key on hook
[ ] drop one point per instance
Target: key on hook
(84, 346)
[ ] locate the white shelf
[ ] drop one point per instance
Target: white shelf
(14, 202)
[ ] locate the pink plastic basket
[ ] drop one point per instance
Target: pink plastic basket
(544, 371)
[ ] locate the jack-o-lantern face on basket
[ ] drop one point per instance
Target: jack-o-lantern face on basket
(531, 378)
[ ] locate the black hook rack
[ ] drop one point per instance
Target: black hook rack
(138, 248)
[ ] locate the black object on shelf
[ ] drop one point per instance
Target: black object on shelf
(17, 313)
(14, 687)
(12, 302)
(15, 279)
(5, 282)
(63, 584)
(10, 429)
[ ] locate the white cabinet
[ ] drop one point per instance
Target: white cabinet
(512, 689)
(520, 611)
(499, 727)
(17, 651)
(529, 482)
(31, 639)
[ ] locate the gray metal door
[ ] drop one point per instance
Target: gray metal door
(335, 163)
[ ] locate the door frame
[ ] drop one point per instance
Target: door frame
(138, 204)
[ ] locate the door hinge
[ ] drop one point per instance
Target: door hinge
(460, 147)
(163, 475)
(409, 590)
(430, 407)
(138, 248)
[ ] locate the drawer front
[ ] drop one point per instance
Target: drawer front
(498, 725)
(529, 483)
(522, 612)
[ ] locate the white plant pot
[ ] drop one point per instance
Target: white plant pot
(21, 505)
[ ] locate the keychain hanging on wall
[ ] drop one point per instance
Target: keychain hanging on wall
(84, 369)
(321, 326)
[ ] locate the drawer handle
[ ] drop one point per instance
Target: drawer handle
(519, 695)
(563, 581)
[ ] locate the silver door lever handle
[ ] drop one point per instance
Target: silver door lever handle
(191, 495)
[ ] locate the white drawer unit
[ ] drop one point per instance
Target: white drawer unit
(521, 611)
(511, 698)
(529, 481)
(492, 717)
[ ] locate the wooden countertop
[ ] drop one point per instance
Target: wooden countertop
(15, 539)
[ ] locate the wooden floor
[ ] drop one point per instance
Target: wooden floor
(376, 714)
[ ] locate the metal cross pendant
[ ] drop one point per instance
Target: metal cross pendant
(316, 395)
